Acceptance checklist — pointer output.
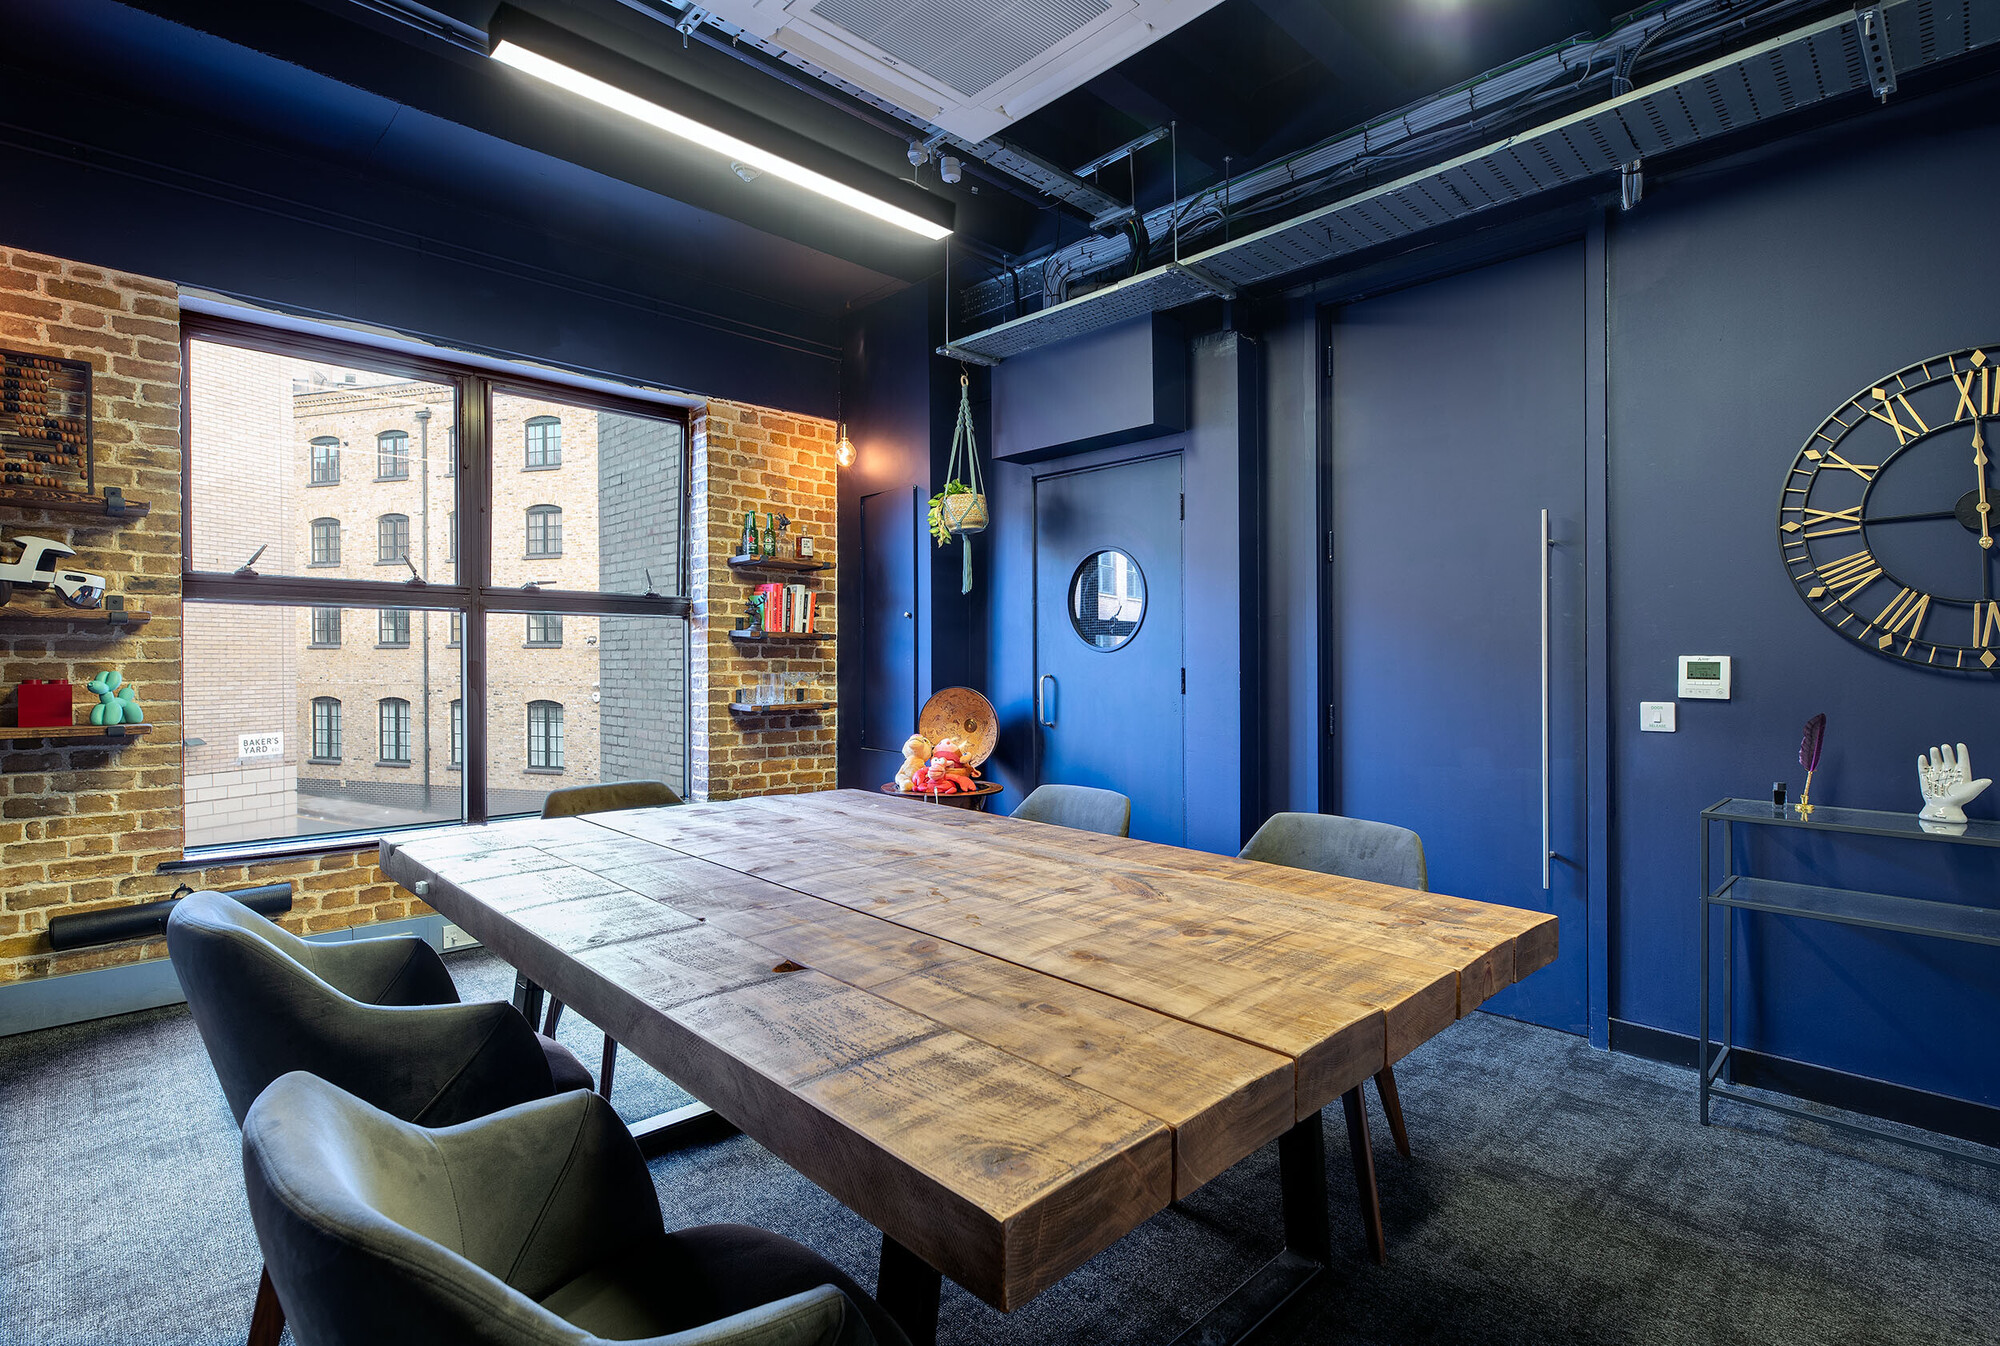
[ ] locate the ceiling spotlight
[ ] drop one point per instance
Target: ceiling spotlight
(744, 171)
(696, 130)
(920, 154)
(950, 169)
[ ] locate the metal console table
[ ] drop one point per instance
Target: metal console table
(1845, 906)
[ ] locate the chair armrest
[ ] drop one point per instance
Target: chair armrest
(549, 1189)
(391, 970)
(817, 1317)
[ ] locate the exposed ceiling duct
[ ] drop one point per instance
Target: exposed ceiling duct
(1833, 57)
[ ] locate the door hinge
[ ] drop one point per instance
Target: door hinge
(1329, 360)
(1329, 546)
(1184, 507)
(1184, 682)
(1329, 719)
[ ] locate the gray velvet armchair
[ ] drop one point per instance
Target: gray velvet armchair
(536, 1226)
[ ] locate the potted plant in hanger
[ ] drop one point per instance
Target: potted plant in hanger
(960, 509)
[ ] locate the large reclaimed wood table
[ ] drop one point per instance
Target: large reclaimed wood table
(1004, 1044)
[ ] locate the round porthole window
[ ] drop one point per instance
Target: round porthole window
(1107, 599)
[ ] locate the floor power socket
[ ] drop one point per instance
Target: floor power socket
(455, 938)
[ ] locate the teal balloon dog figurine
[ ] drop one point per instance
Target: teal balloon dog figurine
(118, 702)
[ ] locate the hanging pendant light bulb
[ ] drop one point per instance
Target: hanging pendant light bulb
(843, 448)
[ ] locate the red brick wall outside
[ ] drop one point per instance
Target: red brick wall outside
(87, 826)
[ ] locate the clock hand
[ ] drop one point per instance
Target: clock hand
(1979, 465)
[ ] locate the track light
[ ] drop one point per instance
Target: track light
(742, 153)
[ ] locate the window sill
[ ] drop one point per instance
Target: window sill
(322, 565)
(324, 645)
(322, 761)
(541, 644)
(392, 644)
(334, 482)
(543, 770)
(541, 556)
(541, 467)
(400, 766)
(395, 561)
(404, 477)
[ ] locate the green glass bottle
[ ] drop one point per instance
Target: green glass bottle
(770, 538)
(748, 547)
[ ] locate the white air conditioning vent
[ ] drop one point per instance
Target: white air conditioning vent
(968, 66)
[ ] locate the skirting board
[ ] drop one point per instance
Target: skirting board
(49, 1002)
(1881, 1099)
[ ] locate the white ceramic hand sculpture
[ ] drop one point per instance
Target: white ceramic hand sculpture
(1942, 775)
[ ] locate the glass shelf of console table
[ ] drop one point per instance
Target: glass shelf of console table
(1960, 921)
(1858, 822)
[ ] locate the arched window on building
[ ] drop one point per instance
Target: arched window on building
(326, 728)
(544, 441)
(392, 539)
(544, 530)
(393, 714)
(325, 460)
(325, 542)
(392, 456)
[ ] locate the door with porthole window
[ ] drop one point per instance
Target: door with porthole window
(1109, 662)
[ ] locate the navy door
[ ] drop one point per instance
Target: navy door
(1457, 417)
(1108, 636)
(890, 544)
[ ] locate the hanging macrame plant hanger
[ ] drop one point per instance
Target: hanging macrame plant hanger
(964, 512)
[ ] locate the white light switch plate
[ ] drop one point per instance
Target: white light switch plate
(1656, 717)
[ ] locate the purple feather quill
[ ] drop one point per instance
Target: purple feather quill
(1809, 747)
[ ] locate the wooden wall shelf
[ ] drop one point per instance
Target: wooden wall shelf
(110, 733)
(778, 563)
(70, 502)
(779, 637)
(94, 619)
(780, 707)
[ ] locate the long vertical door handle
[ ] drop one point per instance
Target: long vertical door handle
(1547, 853)
(1042, 685)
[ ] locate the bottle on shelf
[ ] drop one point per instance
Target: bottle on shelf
(804, 545)
(770, 539)
(748, 547)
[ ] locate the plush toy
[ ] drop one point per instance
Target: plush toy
(945, 772)
(118, 703)
(916, 748)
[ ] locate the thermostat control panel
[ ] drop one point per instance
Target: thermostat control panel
(1705, 677)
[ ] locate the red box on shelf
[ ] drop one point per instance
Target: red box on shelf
(45, 704)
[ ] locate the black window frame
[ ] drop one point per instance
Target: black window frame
(549, 637)
(398, 460)
(552, 733)
(549, 461)
(385, 524)
(394, 709)
(473, 595)
(324, 461)
(330, 729)
(321, 614)
(551, 517)
(318, 558)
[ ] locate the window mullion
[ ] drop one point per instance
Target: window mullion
(475, 523)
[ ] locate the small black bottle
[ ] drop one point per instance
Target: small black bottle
(1777, 799)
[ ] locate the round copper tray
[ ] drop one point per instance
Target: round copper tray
(963, 714)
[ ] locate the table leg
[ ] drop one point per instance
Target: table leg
(1308, 1245)
(1364, 1173)
(907, 1288)
(528, 999)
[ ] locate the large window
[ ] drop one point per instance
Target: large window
(325, 542)
(325, 460)
(544, 441)
(392, 456)
(544, 530)
(394, 715)
(326, 627)
(545, 628)
(326, 729)
(449, 679)
(392, 539)
(545, 736)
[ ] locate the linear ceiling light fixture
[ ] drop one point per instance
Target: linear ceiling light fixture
(695, 132)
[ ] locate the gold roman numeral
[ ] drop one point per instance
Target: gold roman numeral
(1865, 471)
(1844, 521)
(1978, 394)
(1985, 622)
(1886, 413)
(1847, 576)
(1907, 608)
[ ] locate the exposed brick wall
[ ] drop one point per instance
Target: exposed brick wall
(88, 826)
(745, 459)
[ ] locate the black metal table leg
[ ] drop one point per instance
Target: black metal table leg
(1308, 1245)
(907, 1288)
(528, 999)
(1364, 1173)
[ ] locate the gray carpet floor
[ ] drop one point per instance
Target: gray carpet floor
(1558, 1196)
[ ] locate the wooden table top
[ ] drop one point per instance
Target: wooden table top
(1004, 1043)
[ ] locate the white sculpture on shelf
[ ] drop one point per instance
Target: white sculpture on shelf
(1945, 778)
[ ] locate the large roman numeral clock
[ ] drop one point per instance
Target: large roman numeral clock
(1890, 518)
